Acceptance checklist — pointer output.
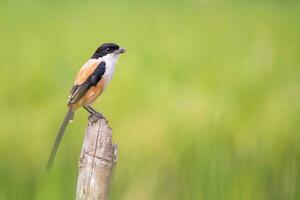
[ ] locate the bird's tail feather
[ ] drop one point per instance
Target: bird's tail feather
(68, 118)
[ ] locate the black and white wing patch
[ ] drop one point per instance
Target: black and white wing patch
(78, 91)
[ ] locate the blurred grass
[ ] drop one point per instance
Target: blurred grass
(205, 104)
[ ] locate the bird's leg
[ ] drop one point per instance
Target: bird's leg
(88, 109)
(94, 113)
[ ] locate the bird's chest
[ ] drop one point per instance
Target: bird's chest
(96, 90)
(108, 74)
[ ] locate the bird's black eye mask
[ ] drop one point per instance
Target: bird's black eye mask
(105, 49)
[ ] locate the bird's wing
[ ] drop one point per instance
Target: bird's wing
(87, 77)
(86, 70)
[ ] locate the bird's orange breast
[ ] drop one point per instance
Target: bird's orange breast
(91, 95)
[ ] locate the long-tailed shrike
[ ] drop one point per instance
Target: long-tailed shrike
(89, 83)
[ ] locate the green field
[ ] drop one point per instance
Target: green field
(205, 104)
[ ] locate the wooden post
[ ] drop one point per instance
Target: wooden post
(97, 159)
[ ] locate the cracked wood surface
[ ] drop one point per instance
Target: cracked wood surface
(97, 159)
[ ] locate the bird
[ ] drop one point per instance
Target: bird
(90, 81)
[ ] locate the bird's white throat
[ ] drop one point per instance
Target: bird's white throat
(110, 61)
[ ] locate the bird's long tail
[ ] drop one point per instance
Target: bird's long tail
(68, 118)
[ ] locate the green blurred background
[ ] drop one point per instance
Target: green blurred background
(205, 104)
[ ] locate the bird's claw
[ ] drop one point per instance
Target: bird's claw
(94, 117)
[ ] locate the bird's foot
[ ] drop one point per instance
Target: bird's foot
(94, 117)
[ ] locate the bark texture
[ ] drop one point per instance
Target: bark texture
(97, 159)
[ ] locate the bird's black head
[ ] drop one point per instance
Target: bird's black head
(107, 48)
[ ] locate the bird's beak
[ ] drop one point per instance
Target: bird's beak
(120, 51)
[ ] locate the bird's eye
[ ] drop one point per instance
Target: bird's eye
(107, 49)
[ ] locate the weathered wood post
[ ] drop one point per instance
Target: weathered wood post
(97, 159)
